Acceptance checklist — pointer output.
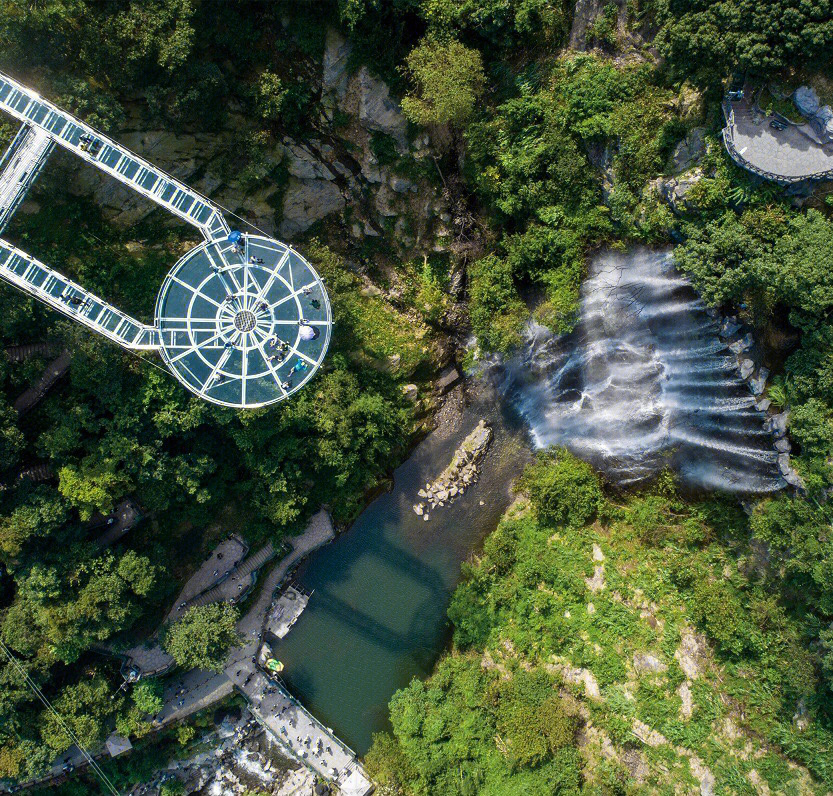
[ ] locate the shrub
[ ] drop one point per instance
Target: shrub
(563, 489)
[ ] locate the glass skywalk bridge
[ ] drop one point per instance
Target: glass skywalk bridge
(240, 320)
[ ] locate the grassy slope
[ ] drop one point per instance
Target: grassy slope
(615, 612)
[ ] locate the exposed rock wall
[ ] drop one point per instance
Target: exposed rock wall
(585, 13)
(326, 173)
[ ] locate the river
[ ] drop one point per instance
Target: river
(377, 616)
(643, 383)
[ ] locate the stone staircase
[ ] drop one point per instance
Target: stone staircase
(54, 370)
(221, 591)
(20, 353)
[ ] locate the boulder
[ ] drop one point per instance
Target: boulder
(411, 393)
(763, 404)
(401, 185)
(308, 201)
(645, 662)
(729, 327)
(794, 479)
(447, 379)
(778, 423)
(378, 112)
(758, 382)
(806, 100)
(689, 151)
(747, 366)
(370, 168)
(744, 344)
(783, 445)
(674, 190)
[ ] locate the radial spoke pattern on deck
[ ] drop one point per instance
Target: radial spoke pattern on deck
(232, 321)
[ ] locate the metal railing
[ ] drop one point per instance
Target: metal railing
(731, 149)
(69, 298)
(22, 163)
(102, 152)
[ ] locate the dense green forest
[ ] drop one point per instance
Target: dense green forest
(542, 153)
(117, 425)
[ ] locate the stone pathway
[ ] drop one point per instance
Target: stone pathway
(53, 371)
(790, 153)
(125, 516)
(149, 658)
(285, 718)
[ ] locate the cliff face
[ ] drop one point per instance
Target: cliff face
(358, 170)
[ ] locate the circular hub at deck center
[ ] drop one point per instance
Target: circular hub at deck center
(245, 321)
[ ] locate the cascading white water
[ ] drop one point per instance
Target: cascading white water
(644, 382)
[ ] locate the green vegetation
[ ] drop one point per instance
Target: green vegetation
(116, 427)
(709, 39)
(541, 155)
(179, 741)
(468, 730)
(611, 645)
(529, 161)
(450, 80)
(203, 637)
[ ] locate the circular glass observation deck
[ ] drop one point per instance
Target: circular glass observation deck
(243, 323)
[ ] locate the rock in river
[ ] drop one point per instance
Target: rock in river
(462, 471)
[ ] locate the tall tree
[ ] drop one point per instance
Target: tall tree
(203, 637)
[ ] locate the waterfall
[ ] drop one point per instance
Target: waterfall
(643, 382)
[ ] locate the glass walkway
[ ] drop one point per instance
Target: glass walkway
(64, 295)
(21, 164)
(104, 153)
(241, 320)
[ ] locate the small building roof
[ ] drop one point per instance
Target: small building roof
(117, 744)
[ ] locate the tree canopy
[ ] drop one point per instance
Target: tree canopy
(449, 79)
(202, 638)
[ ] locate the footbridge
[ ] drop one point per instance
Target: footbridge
(240, 320)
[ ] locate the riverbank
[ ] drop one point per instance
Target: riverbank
(381, 590)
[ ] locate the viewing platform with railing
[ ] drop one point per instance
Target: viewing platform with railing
(772, 147)
(241, 320)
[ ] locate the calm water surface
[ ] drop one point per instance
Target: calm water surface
(377, 617)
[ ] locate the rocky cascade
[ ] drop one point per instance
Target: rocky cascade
(649, 380)
(459, 475)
